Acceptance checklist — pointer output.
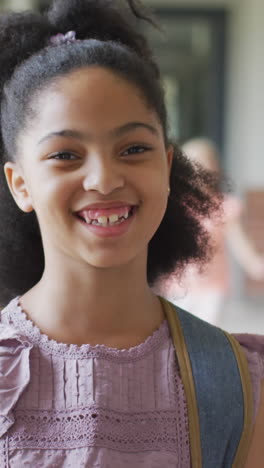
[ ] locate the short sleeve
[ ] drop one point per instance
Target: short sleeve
(14, 372)
(253, 345)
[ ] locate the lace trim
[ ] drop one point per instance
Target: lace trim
(26, 326)
(4, 452)
(95, 427)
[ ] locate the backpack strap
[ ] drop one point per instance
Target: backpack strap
(218, 390)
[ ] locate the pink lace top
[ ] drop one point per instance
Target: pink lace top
(92, 406)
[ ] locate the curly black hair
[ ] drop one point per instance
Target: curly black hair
(109, 37)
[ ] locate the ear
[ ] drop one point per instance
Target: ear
(170, 153)
(18, 187)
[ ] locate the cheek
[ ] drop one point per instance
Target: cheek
(156, 183)
(156, 197)
(60, 183)
(51, 194)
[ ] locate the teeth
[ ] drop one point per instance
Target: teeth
(87, 219)
(103, 220)
(113, 218)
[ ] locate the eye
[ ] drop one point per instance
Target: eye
(136, 149)
(64, 155)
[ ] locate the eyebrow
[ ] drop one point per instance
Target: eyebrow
(117, 132)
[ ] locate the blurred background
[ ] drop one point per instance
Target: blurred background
(211, 56)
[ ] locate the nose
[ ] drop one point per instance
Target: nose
(103, 174)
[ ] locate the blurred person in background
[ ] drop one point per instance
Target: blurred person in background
(204, 292)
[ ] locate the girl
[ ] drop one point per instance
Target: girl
(89, 376)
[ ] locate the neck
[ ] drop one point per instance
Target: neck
(93, 303)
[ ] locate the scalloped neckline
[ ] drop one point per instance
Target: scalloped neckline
(37, 338)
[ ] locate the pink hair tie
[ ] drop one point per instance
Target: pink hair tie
(67, 38)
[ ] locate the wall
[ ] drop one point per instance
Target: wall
(192, 3)
(244, 117)
(245, 101)
(244, 122)
(17, 4)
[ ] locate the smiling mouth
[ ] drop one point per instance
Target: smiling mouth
(113, 219)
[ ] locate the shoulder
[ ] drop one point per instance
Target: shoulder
(253, 346)
(14, 369)
(256, 451)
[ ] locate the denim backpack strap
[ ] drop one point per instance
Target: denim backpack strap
(218, 391)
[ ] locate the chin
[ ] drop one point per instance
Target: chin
(111, 261)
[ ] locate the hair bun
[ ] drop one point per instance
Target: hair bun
(103, 20)
(21, 34)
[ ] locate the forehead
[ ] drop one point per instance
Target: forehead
(91, 95)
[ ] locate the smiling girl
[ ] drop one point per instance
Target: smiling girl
(96, 204)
